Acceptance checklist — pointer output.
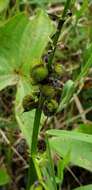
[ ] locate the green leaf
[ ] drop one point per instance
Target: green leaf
(78, 144)
(23, 88)
(46, 174)
(35, 39)
(86, 187)
(71, 134)
(33, 43)
(87, 63)
(62, 164)
(4, 177)
(22, 42)
(66, 94)
(3, 4)
(10, 37)
(82, 10)
(26, 119)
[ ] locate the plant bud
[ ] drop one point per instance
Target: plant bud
(50, 107)
(39, 72)
(48, 91)
(59, 69)
(29, 103)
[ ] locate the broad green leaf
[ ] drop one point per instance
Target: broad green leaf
(86, 187)
(10, 37)
(3, 4)
(66, 94)
(25, 122)
(71, 134)
(33, 43)
(4, 177)
(22, 42)
(35, 39)
(79, 145)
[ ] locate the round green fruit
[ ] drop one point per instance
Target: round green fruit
(48, 91)
(50, 107)
(39, 73)
(59, 69)
(29, 103)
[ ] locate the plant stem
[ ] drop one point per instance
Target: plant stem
(35, 131)
(32, 174)
(32, 170)
(57, 34)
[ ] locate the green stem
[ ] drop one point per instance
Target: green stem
(57, 34)
(35, 131)
(32, 174)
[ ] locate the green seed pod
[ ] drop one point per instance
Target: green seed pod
(48, 91)
(39, 73)
(59, 69)
(50, 107)
(29, 103)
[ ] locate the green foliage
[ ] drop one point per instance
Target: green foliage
(62, 164)
(39, 29)
(4, 177)
(67, 93)
(23, 43)
(3, 4)
(86, 187)
(78, 144)
(11, 32)
(42, 2)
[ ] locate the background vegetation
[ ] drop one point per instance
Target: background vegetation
(45, 94)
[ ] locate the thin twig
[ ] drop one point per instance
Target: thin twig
(55, 9)
(80, 108)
